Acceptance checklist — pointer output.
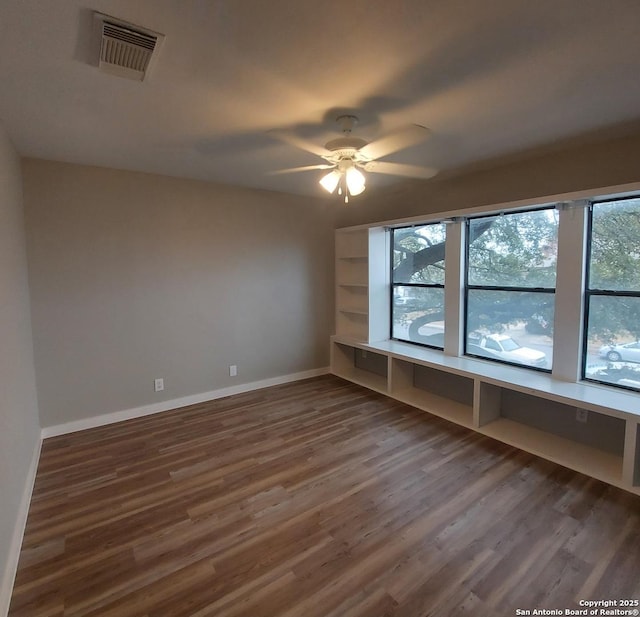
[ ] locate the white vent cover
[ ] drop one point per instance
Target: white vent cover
(126, 50)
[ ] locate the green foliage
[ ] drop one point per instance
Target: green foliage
(518, 250)
(491, 310)
(614, 319)
(615, 246)
(615, 266)
(411, 245)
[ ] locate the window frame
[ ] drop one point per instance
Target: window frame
(590, 293)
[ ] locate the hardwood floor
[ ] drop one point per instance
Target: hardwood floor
(317, 498)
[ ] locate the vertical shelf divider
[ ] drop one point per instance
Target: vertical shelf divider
(631, 459)
(400, 376)
(486, 403)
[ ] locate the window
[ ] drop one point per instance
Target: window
(417, 280)
(611, 353)
(510, 287)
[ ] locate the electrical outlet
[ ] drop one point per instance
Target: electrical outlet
(158, 384)
(581, 415)
(233, 370)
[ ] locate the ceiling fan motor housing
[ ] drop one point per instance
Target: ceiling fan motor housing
(345, 143)
(346, 148)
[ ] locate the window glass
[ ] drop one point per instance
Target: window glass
(511, 326)
(417, 311)
(418, 254)
(418, 315)
(514, 250)
(510, 291)
(612, 349)
(615, 246)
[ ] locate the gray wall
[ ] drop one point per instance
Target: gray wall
(447, 385)
(19, 427)
(135, 276)
(599, 431)
(573, 167)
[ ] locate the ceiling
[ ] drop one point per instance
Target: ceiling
(489, 77)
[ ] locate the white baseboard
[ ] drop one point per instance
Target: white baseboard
(10, 568)
(146, 410)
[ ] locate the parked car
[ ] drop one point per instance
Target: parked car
(407, 303)
(503, 347)
(619, 373)
(628, 352)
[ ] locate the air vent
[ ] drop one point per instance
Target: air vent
(126, 50)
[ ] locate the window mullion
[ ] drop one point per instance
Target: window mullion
(454, 288)
(567, 357)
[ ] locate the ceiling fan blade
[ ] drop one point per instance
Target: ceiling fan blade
(399, 169)
(397, 140)
(298, 142)
(292, 170)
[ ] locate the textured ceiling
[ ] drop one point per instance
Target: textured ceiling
(489, 77)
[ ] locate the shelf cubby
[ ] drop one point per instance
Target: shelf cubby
(352, 244)
(352, 325)
(349, 363)
(353, 272)
(354, 299)
(422, 387)
(566, 452)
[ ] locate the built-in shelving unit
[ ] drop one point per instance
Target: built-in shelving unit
(343, 359)
(359, 281)
(534, 411)
(413, 384)
(471, 393)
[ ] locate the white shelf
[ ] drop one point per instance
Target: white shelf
(585, 459)
(354, 326)
(591, 396)
(364, 378)
(353, 311)
(491, 384)
(436, 405)
(352, 243)
(362, 288)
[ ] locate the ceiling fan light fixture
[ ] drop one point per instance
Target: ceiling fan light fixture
(346, 156)
(330, 181)
(355, 181)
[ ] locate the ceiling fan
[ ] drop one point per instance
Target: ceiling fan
(347, 156)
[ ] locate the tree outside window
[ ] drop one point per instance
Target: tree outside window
(612, 298)
(510, 287)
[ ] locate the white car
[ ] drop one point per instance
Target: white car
(629, 352)
(505, 348)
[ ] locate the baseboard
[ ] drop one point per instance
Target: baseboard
(147, 410)
(11, 567)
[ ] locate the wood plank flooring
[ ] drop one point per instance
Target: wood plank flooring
(314, 499)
